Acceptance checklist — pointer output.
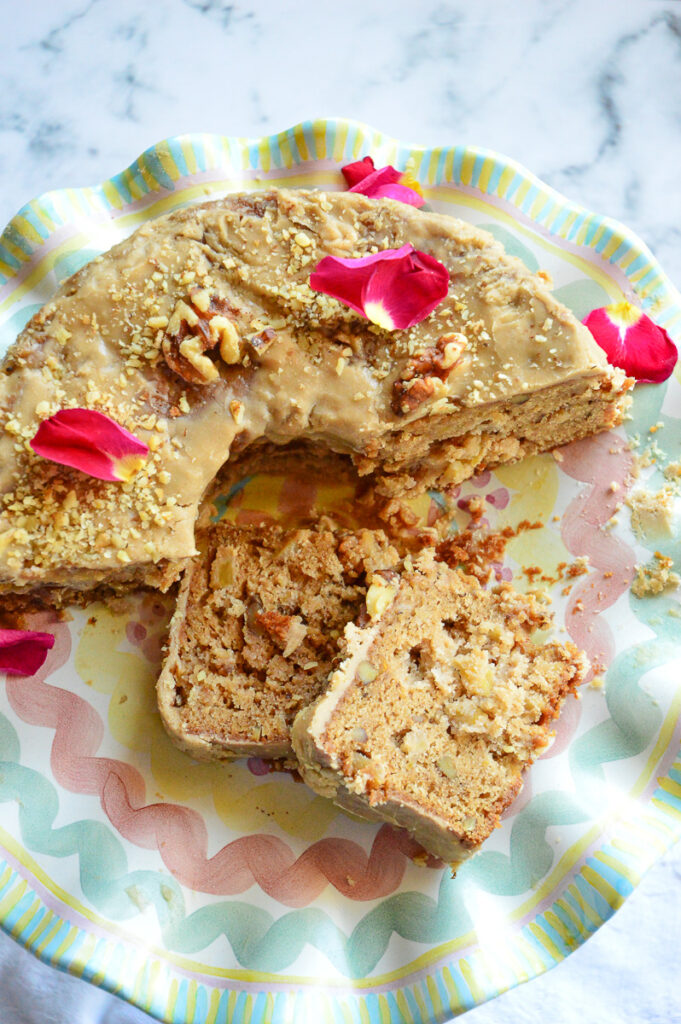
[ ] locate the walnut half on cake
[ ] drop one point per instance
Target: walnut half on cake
(440, 701)
(201, 336)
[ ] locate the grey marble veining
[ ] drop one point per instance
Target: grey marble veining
(586, 93)
(583, 92)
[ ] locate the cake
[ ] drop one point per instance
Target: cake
(200, 335)
(256, 629)
(440, 701)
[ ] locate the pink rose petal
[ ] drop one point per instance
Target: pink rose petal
(632, 341)
(22, 651)
(356, 171)
(384, 183)
(402, 193)
(380, 176)
(395, 289)
(91, 442)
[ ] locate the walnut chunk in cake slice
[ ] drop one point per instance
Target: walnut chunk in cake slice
(439, 703)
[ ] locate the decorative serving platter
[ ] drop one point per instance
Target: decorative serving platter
(207, 893)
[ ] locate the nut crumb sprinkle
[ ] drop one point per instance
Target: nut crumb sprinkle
(203, 305)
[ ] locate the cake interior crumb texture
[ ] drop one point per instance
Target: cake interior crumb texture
(259, 618)
(437, 707)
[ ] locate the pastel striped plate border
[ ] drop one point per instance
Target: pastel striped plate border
(55, 234)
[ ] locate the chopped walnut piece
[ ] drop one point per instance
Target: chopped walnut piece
(366, 672)
(196, 327)
(260, 342)
(379, 596)
(237, 410)
(408, 395)
(288, 631)
(224, 331)
(425, 374)
(192, 350)
(437, 360)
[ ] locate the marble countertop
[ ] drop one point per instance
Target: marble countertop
(586, 93)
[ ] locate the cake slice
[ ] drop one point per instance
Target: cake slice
(256, 629)
(201, 336)
(440, 701)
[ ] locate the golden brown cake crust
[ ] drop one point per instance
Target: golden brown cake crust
(201, 335)
(439, 704)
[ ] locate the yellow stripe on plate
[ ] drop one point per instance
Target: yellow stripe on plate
(286, 152)
(65, 944)
(82, 958)
(587, 910)
(545, 940)
(638, 850)
(319, 135)
(559, 926)
(486, 171)
(133, 188)
(505, 179)
(42, 214)
(567, 225)
(103, 969)
(10, 900)
(667, 808)
(467, 165)
(633, 877)
(432, 165)
(49, 935)
(407, 1017)
(25, 919)
(435, 997)
(420, 1002)
(345, 1011)
(383, 1009)
(600, 231)
(669, 786)
(167, 161)
(470, 977)
(609, 894)
(531, 954)
(537, 204)
(301, 142)
(231, 1002)
(264, 156)
(26, 230)
(650, 287)
(584, 229)
(612, 246)
(455, 999)
(7, 271)
(339, 142)
(191, 999)
(150, 179)
(214, 1006)
(40, 927)
(15, 250)
(173, 989)
(189, 156)
(572, 914)
(112, 195)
